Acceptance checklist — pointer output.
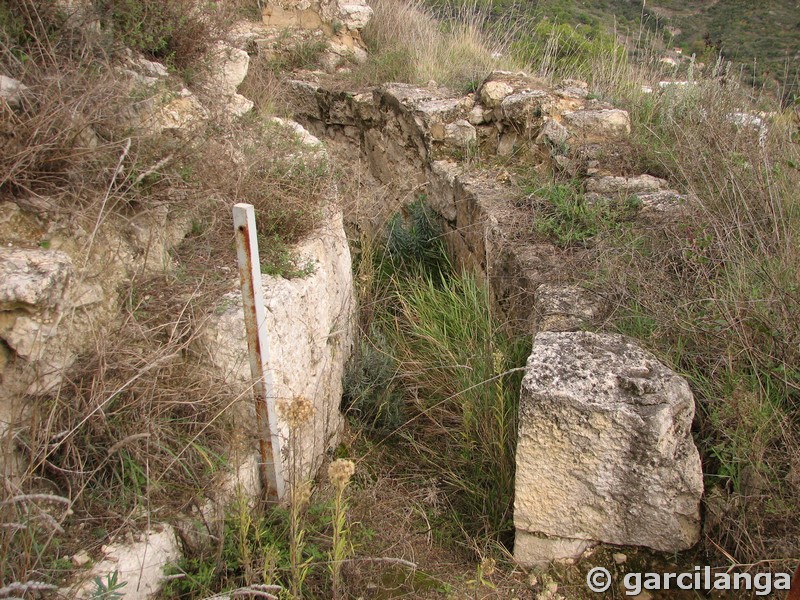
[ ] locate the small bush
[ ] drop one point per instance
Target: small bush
(177, 32)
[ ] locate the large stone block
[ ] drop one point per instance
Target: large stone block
(605, 451)
(599, 122)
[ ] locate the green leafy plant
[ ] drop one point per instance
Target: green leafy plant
(175, 31)
(108, 589)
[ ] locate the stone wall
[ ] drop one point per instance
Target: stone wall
(605, 452)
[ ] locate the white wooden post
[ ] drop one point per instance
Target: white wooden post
(244, 223)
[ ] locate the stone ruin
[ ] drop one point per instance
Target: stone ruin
(605, 452)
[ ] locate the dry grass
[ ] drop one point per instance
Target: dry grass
(717, 296)
(408, 44)
(138, 427)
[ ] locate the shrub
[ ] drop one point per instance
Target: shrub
(177, 32)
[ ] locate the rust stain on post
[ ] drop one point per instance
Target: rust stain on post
(254, 317)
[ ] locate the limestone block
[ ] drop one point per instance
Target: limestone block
(573, 88)
(461, 133)
(494, 92)
(538, 550)
(553, 133)
(564, 307)
(355, 15)
(310, 332)
(477, 116)
(605, 451)
(507, 143)
(227, 69)
(524, 108)
(183, 111)
(606, 121)
(625, 185)
(32, 278)
(140, 564)
(664, 206)
(12, 90)
(238, 105)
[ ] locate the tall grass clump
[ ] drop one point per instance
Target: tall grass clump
(455, 371)
(407, 43)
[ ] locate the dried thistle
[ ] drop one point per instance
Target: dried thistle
(340, 471)
(302, 494)
(296, 412)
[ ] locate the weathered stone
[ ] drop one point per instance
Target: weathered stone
(237, 105)
(625, 185)
(12, 91)
(140, 565)
(602, 121)
(28, 337)
(605, 451)
(662, 203)
(507, 143)
(32, 279)
(477, 115)
(573, 88)
(564, 307)
(524, 108)
(553, 133)
(539, 550)
(460, 133)
(227, 69)
(181, 112)
(355, 14)
(494, 92)
(150, 68)
(303, 136)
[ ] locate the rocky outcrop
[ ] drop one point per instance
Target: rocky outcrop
(59, 288)
(227, 68)
(605, 452)
(340, 20)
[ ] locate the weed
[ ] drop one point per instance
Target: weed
(278, 260)
(408, 44)
(339, 473)
(108, 589)
(563, 213)
(450, 360)
(371, 395)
